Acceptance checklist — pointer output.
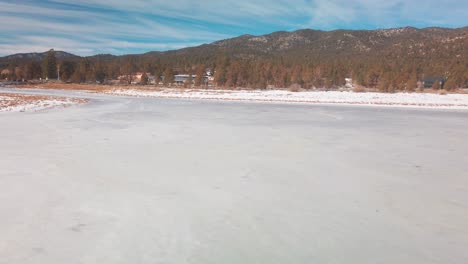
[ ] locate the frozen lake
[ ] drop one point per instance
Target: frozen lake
(141, 180)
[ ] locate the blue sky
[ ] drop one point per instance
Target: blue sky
(89, 27)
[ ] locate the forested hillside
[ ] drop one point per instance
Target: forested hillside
(390, 60)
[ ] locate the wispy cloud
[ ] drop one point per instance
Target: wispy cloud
(333, 14)
(120, 26)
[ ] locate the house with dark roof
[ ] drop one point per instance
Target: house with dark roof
(428, 82)
(183, 78)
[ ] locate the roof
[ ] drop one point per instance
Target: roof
(433, 79)
(184, 75)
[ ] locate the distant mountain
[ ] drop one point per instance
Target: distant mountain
(61, 55)
(312, 43)
(404, 41)
(342, 41)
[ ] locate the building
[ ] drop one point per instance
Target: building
(134, 78)
(428, 82)
(349, 83)
(151, 79)
(183, 78)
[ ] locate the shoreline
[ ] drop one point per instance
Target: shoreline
(452, 101)
(18, 102)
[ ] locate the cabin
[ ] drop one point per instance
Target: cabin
(428, 82)
(349, 83)
(134, 78)
(182, 78)
(152, 79)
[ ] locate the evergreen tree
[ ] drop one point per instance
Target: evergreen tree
(33, 70)
(144, 79)
(168, 76)
(158, 74)
(199, 75)
(49, 66)
(128, 70)
(221, 70)
(189, 80)
(76, 76)
(99, 72)
(412, 84)
(67, 70)
(450, 84)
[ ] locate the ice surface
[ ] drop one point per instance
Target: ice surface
(144, 180)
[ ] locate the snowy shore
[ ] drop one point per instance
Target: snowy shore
(426, 100)
(456, 101)
(31, 103)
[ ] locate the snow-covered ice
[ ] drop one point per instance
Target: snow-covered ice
(427, 100)
(147, 180)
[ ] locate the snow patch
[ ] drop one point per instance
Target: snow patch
(22, 103)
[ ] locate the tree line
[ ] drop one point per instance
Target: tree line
(385, 74)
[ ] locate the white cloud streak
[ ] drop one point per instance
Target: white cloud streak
(120, 26)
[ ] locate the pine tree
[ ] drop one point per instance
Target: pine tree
(67, 70)
(412, 84)
(76, 76)
(200, 75)
(157, 74)
(189, 81)
(296, 75)
(99, 72)
(450, 84)
(49, 66)
(221, 70)
(168, 76)
(33, 70)
(129, 69)
(144, 79)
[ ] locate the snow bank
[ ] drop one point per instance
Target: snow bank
(452, 101)
(25, 103)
